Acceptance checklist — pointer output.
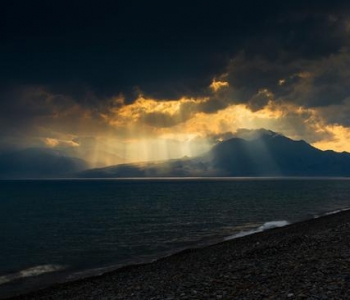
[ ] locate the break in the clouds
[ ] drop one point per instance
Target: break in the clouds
(114, 82)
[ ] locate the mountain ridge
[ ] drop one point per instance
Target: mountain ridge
(252, 153)
(267, 154)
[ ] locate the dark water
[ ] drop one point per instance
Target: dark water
(64, 228)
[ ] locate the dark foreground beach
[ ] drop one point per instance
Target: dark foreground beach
(307, 260)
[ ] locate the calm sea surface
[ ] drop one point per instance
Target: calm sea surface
(58, 230)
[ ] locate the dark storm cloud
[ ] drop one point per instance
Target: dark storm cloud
(167, 50)
(316, 82)
(60, 60)
(337, 114)
(29, 114)
(23, 107)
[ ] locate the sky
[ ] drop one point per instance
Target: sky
(124, 81)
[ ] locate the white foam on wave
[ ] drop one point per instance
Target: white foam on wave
(30, 272)
(265, 226)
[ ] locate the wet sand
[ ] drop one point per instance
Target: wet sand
(306, 260)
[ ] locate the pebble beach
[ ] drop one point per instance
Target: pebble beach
(306, 260)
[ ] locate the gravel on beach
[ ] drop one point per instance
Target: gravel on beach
(306, 260)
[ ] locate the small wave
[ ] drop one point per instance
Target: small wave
(34, 271)
(265, 226)
(331, 212)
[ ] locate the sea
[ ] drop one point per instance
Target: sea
(55, 231)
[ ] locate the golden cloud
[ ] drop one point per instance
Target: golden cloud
(157, 113)
(52, 143)
(339, 140)
(218, 84)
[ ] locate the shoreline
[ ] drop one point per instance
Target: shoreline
(128, 282)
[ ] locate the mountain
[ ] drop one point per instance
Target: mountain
(272, 154)
(264, 153)
(38, 163)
